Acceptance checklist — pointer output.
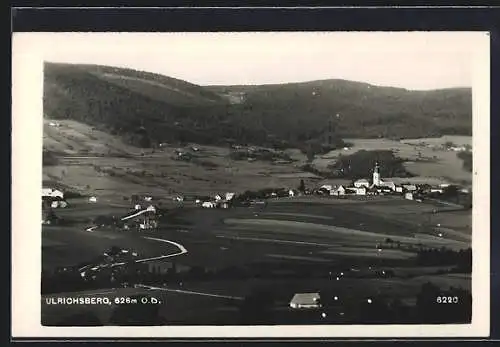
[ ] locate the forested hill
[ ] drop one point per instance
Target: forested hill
(146, 108)
(365, 110)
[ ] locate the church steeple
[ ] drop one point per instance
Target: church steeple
(376, 174)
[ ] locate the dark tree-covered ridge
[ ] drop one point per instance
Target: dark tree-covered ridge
(146, 109)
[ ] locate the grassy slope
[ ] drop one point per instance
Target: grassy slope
(121, 101)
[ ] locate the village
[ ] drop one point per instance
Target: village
(144, 208)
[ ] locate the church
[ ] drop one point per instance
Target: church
(365, 187)
(377, 181)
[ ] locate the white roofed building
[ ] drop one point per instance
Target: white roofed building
(361, 183)
(340, 190)
(305, 301)
(52, 193)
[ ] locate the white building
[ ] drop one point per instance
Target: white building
(305, 301)
(409, 196)
(52, 193)
(362, 183)
(388, 184)
(360, 190)
(208, 204)
(340, 190)
(92, 199)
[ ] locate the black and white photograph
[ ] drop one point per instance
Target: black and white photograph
(232, 180)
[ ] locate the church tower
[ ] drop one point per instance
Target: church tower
(376, 175)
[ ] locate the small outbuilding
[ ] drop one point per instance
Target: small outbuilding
(305, 301)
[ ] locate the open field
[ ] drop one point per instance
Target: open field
(103, 170)
(324, 234)
(330, 220)
(316, 232)
(429, 165)
(98, 163)
(438, 141)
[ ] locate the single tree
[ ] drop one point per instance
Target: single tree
(302, 186)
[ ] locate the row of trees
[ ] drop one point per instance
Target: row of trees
(442, 256)
(360, 164)
(467, 160)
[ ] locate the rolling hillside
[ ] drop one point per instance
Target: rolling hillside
(146, 109)
(365, 110)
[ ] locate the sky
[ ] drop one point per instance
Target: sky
(411, 60)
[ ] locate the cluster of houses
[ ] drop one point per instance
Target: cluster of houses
(53, 198)
(379, 186)
(218, 201)
(361, 187)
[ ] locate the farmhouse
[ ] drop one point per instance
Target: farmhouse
(340, 190)
(305, 301)
(52, 193)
